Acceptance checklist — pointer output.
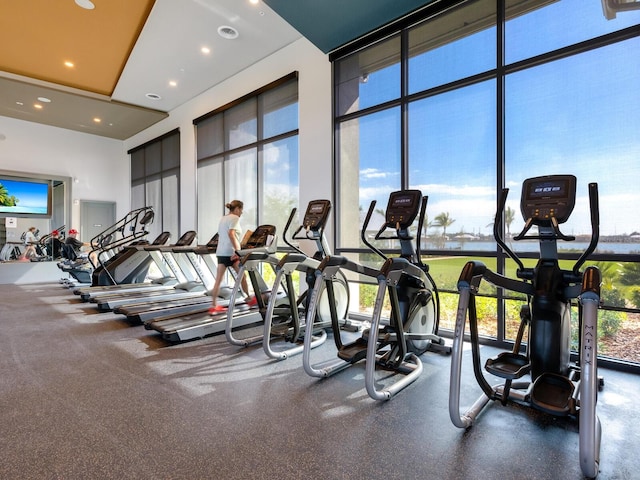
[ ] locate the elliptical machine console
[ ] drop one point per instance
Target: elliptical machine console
(316, 216)
(547, 202)
(403, 208)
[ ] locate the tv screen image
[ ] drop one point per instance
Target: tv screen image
(24, 197)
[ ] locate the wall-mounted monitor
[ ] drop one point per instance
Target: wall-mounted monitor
(25, 197)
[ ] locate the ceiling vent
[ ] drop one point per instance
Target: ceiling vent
(227, 32)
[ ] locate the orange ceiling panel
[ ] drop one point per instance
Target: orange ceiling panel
(39, 36)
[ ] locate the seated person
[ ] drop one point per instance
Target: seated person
(55, 245)
(73, 247)
(30, 242)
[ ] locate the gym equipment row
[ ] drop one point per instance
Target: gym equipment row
(538, 372)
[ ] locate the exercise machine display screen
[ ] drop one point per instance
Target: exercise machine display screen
(317, 214)
(547, 197)
(403, 207)
(260, 236)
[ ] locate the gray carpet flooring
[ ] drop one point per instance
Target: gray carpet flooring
(86, 395)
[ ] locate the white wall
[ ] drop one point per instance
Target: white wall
(314, 70)
(99, 164)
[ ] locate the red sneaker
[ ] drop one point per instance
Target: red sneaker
(252, 302)
(217, 309)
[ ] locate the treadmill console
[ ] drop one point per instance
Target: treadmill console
(317, 214)
(260, 237)
(544, 198)
(403, 208)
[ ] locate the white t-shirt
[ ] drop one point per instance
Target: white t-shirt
(30, 238)
(228, 222)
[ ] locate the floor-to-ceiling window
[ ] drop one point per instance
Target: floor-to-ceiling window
(155, 182)
(248, 150)
(466, 102)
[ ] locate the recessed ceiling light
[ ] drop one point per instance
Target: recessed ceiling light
(173, 83)
(86, 4)
(38, 106)
(19, 103)
(97, 120)
(69, 64)
(44, 100)
(255, 2)
(153, 96)
(205, 50)
(227, 32)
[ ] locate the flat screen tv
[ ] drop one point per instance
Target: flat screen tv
(25, 197)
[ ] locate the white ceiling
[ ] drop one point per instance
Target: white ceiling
(169, 48)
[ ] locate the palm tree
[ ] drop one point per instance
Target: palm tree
(509, 217)
(443, 220)
(4, 194)
(426, 225)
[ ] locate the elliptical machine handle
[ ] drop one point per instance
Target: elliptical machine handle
(286, 229)
(423, 212)
(594, 206)
(363, 235)
(497, 226)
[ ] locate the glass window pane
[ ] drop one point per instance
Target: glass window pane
(137, 164)
(618, 331)
(153, 194)
(369, 170)
(562, 118)
(280, 182)
(153, 158)
(210, 202)
(557, 25)
(240, 125)
(241, 183)
(261, 176)
(210, 137)
(369, 77)
(279, 110)
(452, 147)
(452, 46)
(137, 194)
(171, 200)
(171, 152)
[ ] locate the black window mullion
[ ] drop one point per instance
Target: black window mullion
(404, 109)
(500, 160)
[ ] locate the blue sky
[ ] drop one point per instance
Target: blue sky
(578, 115)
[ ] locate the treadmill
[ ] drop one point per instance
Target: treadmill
(149, 311)
(188, 327)
(181, 277)
(133, 264)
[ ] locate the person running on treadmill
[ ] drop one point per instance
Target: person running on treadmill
(229, 234)
(30, 242)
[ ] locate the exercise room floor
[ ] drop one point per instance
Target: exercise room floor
(86, 395)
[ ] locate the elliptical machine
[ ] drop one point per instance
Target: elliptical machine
(556, 386)
(411, 329)
(287, 320)
(284, 310)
